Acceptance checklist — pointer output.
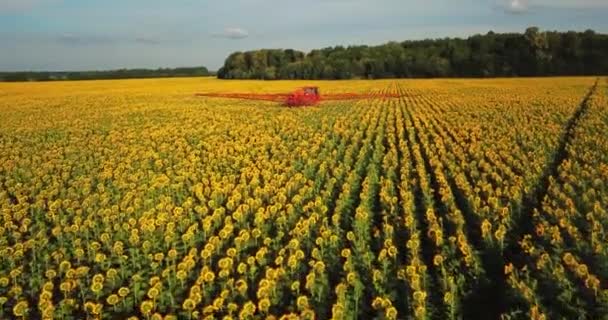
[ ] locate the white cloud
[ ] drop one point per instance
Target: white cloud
(516, 6)
(96, 39)
(232, 33)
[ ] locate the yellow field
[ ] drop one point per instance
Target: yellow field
(466, 199)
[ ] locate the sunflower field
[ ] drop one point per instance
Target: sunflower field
(461, 199)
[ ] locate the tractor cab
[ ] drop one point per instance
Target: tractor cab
(305, 96)
(311, 90)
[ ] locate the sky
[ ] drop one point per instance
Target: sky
(58, 35)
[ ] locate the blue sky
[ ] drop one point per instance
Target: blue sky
(109, 34)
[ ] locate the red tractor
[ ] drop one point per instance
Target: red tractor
(305, 96)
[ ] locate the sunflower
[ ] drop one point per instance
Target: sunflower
(271, 274)
(159, 256)
(96, 287)
(89, 306)
(264, 305)
(111, 274)
(205, 254)
(232, 307)
(98, 278)
(81, 271)
(153, 293)
(113, 299)
(66, 286)
(300, 254)
(146, 307)
(351, 277)
(569, 259)
(448, 298)
(378, 303)
(195, 290)
(592, 282)
(225, 263)
(419, 296)
(241, 268)
(100, 257)
(231, 252)
(21, 309)
(209, 276)
(118, 248)
(345, 253)
(302, 303)
(48, 286)
(392, 251)
(48, 312)
(181, 275)
(123, 292)
(65, 266)
(50, 274)
(46, 295)
(307, 314)
(319, 267)
(189, 305)
(582, 270)
(249, 307)
(410, 270)
(292, 262)
(438, 260)
(153, 281)
(337, 311)
(172, 254)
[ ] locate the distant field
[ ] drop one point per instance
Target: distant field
(469, 199)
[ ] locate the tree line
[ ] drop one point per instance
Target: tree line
(101, 75)
(533, 53)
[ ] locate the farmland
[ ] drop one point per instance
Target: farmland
(473, 199)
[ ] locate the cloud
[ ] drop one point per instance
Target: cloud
(232, 33)
(515, 6)
(88, 40)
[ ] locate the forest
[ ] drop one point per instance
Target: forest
(533, 53)
(101, 75)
